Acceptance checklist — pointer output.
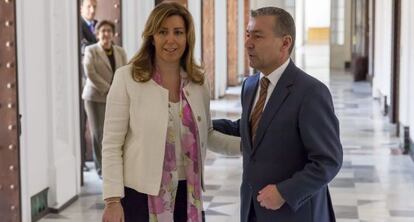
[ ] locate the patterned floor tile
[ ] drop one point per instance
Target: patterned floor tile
(375, 184)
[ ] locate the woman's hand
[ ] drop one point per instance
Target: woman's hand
(113, 212)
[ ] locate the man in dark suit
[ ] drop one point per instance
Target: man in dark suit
(88, 23)
(289, 131)
(87, 37)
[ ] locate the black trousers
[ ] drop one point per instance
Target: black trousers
(252, 213)
(135, 205)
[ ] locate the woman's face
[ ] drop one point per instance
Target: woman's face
(170, 41)
(105, 35)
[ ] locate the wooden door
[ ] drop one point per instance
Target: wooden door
(232, 43)
(246, 22)
(111, 10)
(208, 43)
(106, 10)
(360, 39)
(395, 64)
(184, 2)
(10, 196)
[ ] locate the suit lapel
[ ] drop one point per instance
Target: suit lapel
(87, 32)
(103, 56)
(117, 56)
(250, 89)
(279, 95)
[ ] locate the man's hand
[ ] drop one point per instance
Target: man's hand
(270, 198)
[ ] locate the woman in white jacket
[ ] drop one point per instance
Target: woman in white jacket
(158, 126)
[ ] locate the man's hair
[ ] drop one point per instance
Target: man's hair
(284, 23)
(105, 22)
(82, 1)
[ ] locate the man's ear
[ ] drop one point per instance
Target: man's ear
(287, 42)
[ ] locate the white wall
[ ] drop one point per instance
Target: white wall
(339, 54)
(317, 13)
(134, 16)
(383, 44)
(194, 6)
(406, 113)
(288, 5)
(48, 100)
(300, 23)
(264, 3)
(220, 25)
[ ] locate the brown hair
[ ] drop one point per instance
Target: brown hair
(143, 60)
(105, 22)
(284, 23)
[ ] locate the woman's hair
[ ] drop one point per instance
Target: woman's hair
(144, 60)
(105, 22)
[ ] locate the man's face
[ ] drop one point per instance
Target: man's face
(88, 9)
(264, 48)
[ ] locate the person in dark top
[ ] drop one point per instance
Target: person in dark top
(86, 37)
(100, 62)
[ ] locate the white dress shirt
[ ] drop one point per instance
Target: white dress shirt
(175, 115)
(273, 78)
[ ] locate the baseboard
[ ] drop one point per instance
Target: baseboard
(64, 206)
(39, 206)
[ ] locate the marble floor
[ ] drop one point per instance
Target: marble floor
(375, 184)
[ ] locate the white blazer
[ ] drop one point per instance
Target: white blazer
(135, 133)
(99, 72)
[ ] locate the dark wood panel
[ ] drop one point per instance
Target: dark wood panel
(10, 207)
(395, 63)
(208, 43)
(106, 10)
(184, 2)
(232, 41)
(246, 22)
(111, 10)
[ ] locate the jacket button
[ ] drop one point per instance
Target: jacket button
(199, 118)
(186, 92)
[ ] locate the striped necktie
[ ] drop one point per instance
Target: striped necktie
(258, 109)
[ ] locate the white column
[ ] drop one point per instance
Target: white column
(221, 47)
(47, 49)
(194, 6)
(383, 44)
(134, 17)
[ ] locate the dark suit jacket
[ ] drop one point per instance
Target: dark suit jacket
(297, 147)
(86, 36)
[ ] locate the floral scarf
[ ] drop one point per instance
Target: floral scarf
(161, 207)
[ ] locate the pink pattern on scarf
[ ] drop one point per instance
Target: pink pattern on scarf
(161, 207)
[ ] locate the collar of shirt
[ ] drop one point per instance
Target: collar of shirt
(88, 22)
(276, 74)
(274, 78)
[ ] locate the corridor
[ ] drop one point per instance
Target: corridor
(376, 182)
(362, 50)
